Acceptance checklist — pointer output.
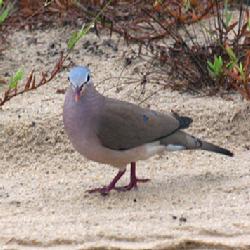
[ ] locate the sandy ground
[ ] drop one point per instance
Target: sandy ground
(195, 200)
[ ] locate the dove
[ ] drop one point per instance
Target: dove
(118, 133)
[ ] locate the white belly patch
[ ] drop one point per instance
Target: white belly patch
(173, 147)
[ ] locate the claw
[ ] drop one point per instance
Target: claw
(103, 191)
(131, 185)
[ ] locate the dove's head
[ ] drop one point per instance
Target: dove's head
(79, 78)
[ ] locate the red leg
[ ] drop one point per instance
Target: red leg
(105, 190)
(133, 180)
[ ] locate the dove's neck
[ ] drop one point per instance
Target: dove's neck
(81, 118)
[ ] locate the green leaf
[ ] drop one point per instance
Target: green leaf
(231, 54)
(241, 67)
(218, 63)
(76, 36)
(4, 15)
(211, 69)
(210, 65)
(228, 18)
(241, 70)
(230, 65)
(1, 3)
(228, 15)
(72, 40)
(18, 76)
(215, 68)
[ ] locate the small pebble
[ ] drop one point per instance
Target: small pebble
(182, 219)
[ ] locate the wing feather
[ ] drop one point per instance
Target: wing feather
(123, 125)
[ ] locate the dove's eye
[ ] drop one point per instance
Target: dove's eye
(88, 78)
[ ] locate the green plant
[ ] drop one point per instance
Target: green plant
(227, 14)
(233, 60)
(234, 63)
(216, 68)
(226, 36)
(4, 11)
(77, 35)
(18, 76)
(241, 71)
(30, 83)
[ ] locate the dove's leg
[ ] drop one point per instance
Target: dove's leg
(133, 180)
(105, 190)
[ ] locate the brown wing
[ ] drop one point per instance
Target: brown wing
(124, 125)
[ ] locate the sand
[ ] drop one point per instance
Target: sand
(195, 200)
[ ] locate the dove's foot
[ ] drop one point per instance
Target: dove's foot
(132, 184)
(105, 190)
(112, 185)
(133, 180)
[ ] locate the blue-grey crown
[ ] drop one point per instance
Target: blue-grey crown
(79, 75)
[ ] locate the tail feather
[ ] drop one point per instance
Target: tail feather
(213, 148)
(190, 142)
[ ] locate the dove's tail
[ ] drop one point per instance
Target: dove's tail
(213, 148)
(181, 140)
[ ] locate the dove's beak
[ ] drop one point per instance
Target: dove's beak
(77, 94)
